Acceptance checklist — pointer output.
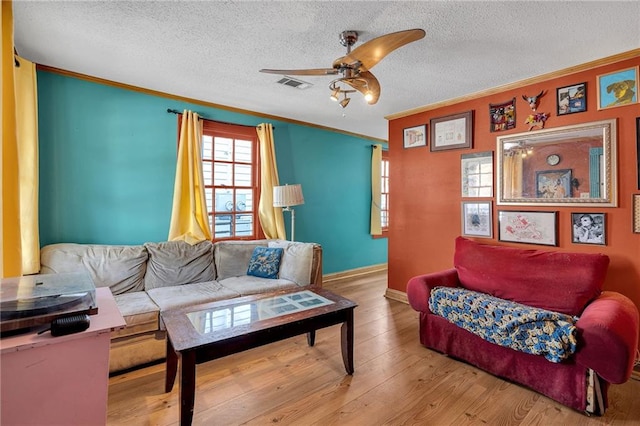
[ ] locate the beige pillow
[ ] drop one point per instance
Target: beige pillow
(121, 268)
(296, 262)
(232, 257)
(177, 262)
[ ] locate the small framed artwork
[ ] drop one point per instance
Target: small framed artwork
(528, 227)
(452, 132)
(502, 116)
(588, 228)
(572, 99)
(618, 88)
(415, 136)
(553, 183)
(477, 220)
(636, 213)
(477, 174)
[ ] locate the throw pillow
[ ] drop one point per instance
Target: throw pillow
(297, 261)
(265, 262)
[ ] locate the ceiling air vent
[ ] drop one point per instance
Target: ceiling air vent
(292, 82)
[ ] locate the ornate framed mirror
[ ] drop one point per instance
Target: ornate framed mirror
(570, 165)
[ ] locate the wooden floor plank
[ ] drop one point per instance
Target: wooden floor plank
(396, 382)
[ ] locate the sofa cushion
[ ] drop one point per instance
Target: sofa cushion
(253, 285)
(556, 281)
(173, 263)
(121, 268)
(297, 261)
(265, 262)
(232, 257)
(189, 294)
(139, 312)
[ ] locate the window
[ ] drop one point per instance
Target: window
(230, 168)
(384, 192)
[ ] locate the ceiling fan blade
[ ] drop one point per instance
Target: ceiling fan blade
(365, 83)
(316, 71)
(372, 52)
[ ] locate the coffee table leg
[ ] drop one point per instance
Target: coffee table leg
(311, 338)
(347, 342)
(187, 387)
(171, 366)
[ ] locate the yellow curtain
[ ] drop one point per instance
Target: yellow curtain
(27, 135)
(11, 263)
(512, 176)
(189, 219)
(376, 189)
(271, 218)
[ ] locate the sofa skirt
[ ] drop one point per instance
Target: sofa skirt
(565, 382)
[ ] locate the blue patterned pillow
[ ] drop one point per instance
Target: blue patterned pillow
(265, 262)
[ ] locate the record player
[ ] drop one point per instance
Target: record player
(34, 300)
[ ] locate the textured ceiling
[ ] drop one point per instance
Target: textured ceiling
(212, 50)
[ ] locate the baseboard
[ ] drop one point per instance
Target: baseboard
(396, 295)
(353, 273)
(635, 373)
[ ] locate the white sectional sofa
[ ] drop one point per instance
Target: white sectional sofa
(154, 277)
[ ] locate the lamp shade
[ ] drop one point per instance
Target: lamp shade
(287, 195)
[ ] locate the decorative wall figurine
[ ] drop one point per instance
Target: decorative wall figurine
(533, 100)
(536, 120)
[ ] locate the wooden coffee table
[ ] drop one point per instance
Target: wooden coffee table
(202, 333)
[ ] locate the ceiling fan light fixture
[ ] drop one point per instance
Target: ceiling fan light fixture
(368, 97)
(335, 94)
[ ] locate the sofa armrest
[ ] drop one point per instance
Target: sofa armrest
(419, 287)
(608, 330)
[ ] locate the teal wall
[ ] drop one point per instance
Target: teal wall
(107, 165)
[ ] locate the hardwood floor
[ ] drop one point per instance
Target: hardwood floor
(396, 382)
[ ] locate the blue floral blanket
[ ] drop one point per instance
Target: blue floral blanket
(506, 323)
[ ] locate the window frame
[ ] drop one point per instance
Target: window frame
(216, 129)
(384, 167)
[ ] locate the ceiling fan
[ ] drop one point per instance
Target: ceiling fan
(354, 67)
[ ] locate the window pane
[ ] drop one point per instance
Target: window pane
(243, 175)
(244, 225)
(222, 174)
(244, 200)
(207, 147)
(208, 195)
(223, 149)
(222, 226)
(243, 151)
(224, 200)
(207, 172)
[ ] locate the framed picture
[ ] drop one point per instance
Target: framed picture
(528, 227)
(452, 132)
(636, 213)
(618, 88)
(553, 184)
(415, 136)
(477, 220)
(477, 174)
(502, 116)
(588, 228)
(570, 99)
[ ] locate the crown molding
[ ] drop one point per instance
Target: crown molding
(196, 101)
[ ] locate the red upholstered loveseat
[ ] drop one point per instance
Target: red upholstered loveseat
(570, 283)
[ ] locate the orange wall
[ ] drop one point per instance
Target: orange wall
(425, 186)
